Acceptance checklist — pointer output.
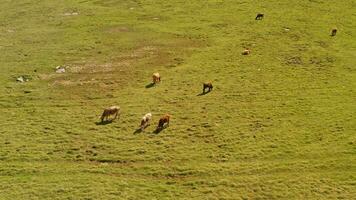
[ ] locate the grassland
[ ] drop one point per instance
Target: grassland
(279, 124)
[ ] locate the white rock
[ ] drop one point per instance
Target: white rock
(60, 69)
(20, 79)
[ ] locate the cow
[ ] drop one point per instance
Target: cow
(156, 78)
(145, 121)
(246, 52)
(208, 85)
(259, 16)
(333, 32)
(162, 121)
(113, 110)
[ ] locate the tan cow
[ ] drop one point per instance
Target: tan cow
(145, 121)
(156, 78)
(113, 110)
(246, 51)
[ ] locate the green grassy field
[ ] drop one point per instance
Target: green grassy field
(279, 124)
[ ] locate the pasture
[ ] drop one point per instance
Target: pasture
(279, 124)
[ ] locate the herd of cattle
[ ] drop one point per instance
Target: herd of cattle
(113, 112)
(164, 120)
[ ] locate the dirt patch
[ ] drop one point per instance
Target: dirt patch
(119, 29)
(322, 61)
(122, 69)
(74, 83)
(143, 51)
(70, 14)
(63, 82)
(118, 64)
(102, 75)
(295, 60)
(152, 18)
(91, 68)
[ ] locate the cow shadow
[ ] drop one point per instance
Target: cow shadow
(101, 123)
(204, 93)
(140, 130)
(150, 85)
(137, 131)
(158, 130)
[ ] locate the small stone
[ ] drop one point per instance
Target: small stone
(60, 69)
(20, 79)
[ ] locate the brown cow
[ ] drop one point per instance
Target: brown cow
(162, 121)
(333, 32)
(113, 110)
(208, 85)
(156, 78)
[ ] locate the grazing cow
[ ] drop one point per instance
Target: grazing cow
(162, 121)
(145, 121)
(259, 16)
(156, 78)
(333, 32)
(208, 85)
(246, 52)
(113, 110)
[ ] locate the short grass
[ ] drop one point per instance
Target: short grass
(279, 124)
